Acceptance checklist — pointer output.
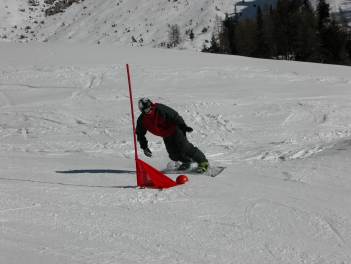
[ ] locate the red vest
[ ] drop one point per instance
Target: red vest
(157, 125)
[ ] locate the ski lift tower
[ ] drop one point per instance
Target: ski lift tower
(238, 7)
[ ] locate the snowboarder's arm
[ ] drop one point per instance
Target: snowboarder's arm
(170, 115)
(140, 132)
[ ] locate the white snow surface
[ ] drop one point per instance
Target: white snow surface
(67, 178)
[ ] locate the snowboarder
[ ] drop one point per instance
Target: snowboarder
(165, 122)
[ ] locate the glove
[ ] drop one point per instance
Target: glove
(147, 152)
(185, 128)
(188, 129)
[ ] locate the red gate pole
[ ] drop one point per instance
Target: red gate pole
(147, 176)
(132, 111)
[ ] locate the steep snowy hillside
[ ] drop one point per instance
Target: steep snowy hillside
(132, 22)
(67, 174)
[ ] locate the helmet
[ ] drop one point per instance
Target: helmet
(144, 105)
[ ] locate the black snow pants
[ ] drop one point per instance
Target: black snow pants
(180, 149)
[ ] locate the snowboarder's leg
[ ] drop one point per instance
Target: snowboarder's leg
(196, 155)
(180, 149)
(174, 149)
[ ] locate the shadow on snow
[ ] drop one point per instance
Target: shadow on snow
(78, 185)
(96, 171)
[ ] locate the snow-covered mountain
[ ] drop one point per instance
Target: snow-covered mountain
(132, 22)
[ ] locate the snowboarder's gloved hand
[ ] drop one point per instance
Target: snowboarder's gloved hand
(147, 152)
(185, 128)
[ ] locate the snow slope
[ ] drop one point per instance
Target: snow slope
(67, 180)
(132, 23)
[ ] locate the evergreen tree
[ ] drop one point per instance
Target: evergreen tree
(281, 29)
(191, 35)
(262, 48)
(323, 12)
(214, 47)
(174, 36)
(348, 44)
(307, 45)
(246, 38)
(293, 30)
(269, 32)
(333, 38)
(227, 37)
(335, 44)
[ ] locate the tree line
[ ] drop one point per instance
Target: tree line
(291, 30)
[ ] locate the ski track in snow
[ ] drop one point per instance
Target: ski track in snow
(309, 119)
(68, 191)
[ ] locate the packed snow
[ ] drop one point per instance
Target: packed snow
(67, 178)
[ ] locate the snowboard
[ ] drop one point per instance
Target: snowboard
(212, 171)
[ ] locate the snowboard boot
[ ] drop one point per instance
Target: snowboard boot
(202, 167)
(184, 166)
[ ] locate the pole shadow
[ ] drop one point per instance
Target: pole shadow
(96, 171)
(69, 184)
